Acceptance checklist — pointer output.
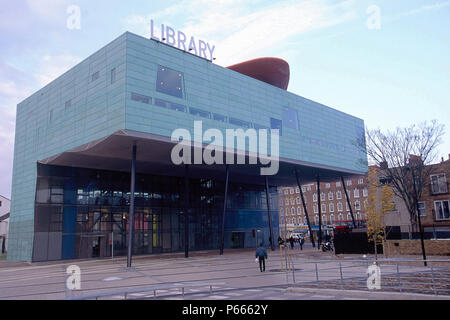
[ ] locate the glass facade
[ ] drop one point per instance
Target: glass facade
(170, 82)
(84, 213)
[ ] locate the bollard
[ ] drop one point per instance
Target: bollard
(398, 279)
(432, 278)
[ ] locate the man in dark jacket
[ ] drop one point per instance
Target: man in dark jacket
(261, 253)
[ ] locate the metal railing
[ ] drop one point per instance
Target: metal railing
(396, 275)
(127, 293)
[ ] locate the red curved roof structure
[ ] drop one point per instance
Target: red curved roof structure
(273, 71)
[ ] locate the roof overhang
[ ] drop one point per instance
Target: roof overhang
(114, 152)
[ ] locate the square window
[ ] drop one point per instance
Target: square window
(95, 75)
(219, 117)
(170, 82)
(290, 118)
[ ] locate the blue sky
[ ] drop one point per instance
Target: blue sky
(396, 75)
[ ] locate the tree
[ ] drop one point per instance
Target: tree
(379, 202)
(404, 156)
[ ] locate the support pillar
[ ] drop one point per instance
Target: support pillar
(222, 235)
(131, 210)
(319, 237)
(269, 216)
(304, 208)
(186, 211)
(348, 202)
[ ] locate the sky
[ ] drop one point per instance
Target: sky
(384, 61)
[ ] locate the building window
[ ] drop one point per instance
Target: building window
(309, 188)
(281, 202)
(291, 190)
(349, 217)
(316, 209)
(113, 75)
(290, 118)
(169, 82)
(297, 190)
(332, 219)
(346, 207)
(298, 200)
(299, 220)
(177, 107)
(331, 207)
(356, 193)
(349, 182)
(239, 123)
(322, 196)
(293, 211)
(330, 195)
(95, 76)
(316, 219)
(299, 211)
(286, 191)
(141, 98)
(438, 183)
(365, 192)
(327, 185)
(219, 117)
(338, 195)
(324, 219)
(276, 124)
(303, 189)
(315, 197)
(422, 210)
(286, 201)
(360, 181)
(442, 210)
(339, 206)
(358, 216)
(357, 206)
(324, 207)
(338, 184)
(200, 113)
(340, 217)
(68, 104)
(292, 201)
(286, 211)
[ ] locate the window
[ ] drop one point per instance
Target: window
(303, 189)
(287, 211)
(340, 217)
(299, 220)
(68, 104)
(276, 124)
(113, 75)
(282, 220)
(281, 203)
(346, 207)
(338, 184)
(422, 210)
(286, 191)
(438, 183)
(357, 206)
(360, 181)
(291, 190)
(349, 182)
(298, 200)
(286, 201)
(292, 201)
(339, 206)
(309, 188)
(442, 210)
(140, 98)
(219, 117)
(356, 193)
(240, 123)
(358, 216)
(338, 195)
(365, 192)
(297, 190)
(327, 185)
(315, 197)
(316, 209)
(177, 107)
(331, 207)
(95, 76)
(324, 219)
(316, 219)
(160, 103)
(322, 196)
(324, 207)
(330, 195)
(200, 113)
(293, 211)
(290, 118)
(169, 82)
(299, 211)
(332, 219)
(349, 216)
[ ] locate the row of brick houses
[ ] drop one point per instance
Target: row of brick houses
(434, 204)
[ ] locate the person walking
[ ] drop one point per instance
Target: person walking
(302, 241)
(291, 240)
(261, 254)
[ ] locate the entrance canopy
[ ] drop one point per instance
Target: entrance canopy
(114, 153)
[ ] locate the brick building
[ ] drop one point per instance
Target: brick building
(334, 208)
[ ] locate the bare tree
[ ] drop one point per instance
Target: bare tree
(404, 157)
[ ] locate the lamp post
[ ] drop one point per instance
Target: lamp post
(416, 201)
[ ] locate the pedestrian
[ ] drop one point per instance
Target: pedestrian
(291, 240)
(280, 240)
(302, 241)
(261, 254)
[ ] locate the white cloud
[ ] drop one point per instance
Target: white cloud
(437, 5)
(54, 66)
(49, 10)
(238, 30)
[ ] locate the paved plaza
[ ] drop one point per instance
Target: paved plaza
(234, 275)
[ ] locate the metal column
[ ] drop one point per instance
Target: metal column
(319, 237)
(304, 208)
(348, 202)
(186, 211)
(131, 211)
(222, 240)
(268, 214)
(419, 220)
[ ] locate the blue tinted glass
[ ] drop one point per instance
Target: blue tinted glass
(240, 123)
(170, 82)
(198, 112)
(219, 117)
(290, 118)
(276, 124)
(160, 103)
(177, 107)
(140, 98)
